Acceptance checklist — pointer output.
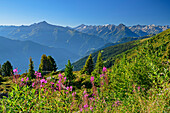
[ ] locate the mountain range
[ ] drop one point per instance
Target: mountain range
(54, 36)
(19, 52)
(113, 33)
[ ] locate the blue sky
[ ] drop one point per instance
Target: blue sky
(91, 12)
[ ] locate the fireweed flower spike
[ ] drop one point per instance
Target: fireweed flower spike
(22, 79)
(64, 78)
(138, 88)
(33, 84)
(15, 70)
(104, 69)
(92, 79)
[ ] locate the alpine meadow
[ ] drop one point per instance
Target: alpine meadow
(100, 56)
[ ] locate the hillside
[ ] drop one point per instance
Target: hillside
(110, 54)
(122, 40)
(54, 36)
(18, 53)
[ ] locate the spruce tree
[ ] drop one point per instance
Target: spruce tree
(7, 69)
(31, 69)
(0, 70)
(99, 64)
(51, 64)
(69, 71)
(44, 63)
(89, 67)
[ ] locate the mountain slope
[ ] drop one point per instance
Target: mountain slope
(110, 54)
(18, 53)
(122, 40)
(54, 36)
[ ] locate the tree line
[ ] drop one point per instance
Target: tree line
(48, 64)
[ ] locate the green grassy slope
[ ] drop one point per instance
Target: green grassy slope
(109, 54)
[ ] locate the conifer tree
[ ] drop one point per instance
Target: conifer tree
(51, 64)
(31, 69)
(69, 71)
(44, 63)
(99, 64)
(7, 69)
(88, 68)
(0, 70)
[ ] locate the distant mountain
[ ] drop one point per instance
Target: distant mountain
(54, 36)
(114, 33)
(142, 30)
(19, 52)
(110, 33)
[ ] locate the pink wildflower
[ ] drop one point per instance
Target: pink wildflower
(60, 75)
(74, 93)
(15, 70)
(65, 78)
(86, 95)
(45, 81)
(67, 88)
(91, 108)
(42, 80)
(71, 88)
(39, 75)
(92, 79)
(86, 106)
(22, 79)
(104, 69)
(84, 92)
(33, 84)
(27, 79)
(138, 88)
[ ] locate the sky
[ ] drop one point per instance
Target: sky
(91, 12)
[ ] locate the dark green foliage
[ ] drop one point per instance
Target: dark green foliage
(31, 69)
(44, 63)
(89, 66)
(99, 64)
(7, 69)
(0, 70)
(47, 64)
(51, 64)
(69, 71)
